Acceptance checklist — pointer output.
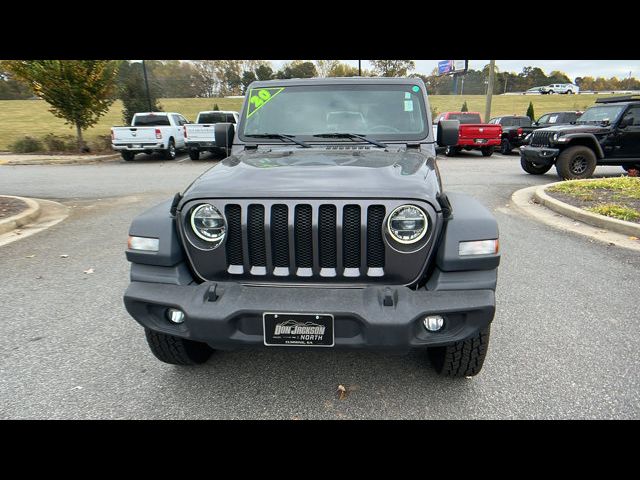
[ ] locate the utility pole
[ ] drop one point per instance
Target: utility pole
(359, 68)
(462, 86)
(487, 111)
(146, 84)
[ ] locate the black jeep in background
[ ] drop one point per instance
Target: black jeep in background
(516, 128)
(607, 133)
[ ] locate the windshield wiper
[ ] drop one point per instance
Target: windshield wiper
(351, 135)
(282, 136)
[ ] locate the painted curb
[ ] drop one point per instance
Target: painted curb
(27, 216)
(600, 221)
(60, 160)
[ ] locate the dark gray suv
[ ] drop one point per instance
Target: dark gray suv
(327, 226)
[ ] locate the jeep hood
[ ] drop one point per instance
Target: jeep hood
(319, 173)
(566, 129)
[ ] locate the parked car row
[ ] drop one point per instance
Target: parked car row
(168, 132)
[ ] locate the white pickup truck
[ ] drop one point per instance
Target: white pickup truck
(150, 132)
(200, 136)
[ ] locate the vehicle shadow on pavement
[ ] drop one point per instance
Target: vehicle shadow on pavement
(304, 384)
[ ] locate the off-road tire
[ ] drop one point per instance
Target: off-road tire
(127, 156)
(486, 151)
(533, 168)
(505, 147)
(176, 350)
(170, 152)
(194, 154)
(451, 151)
(576, 163)
(461, 359)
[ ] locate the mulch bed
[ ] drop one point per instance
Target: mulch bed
(10, 207)
(599, 197)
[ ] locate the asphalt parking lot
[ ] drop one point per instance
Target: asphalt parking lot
(564, 340)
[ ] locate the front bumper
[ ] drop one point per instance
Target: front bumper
(362, 320)
(539, 155)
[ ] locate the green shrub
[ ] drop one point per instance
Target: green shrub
(530, 113)
(60, 143)
(215, 106)
(26, 145)
(464, 108)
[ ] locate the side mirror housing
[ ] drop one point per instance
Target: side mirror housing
(224, 133)
(625, 122)
(448, 133)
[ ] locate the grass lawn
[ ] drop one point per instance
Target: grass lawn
(19, 118)
(614, 197)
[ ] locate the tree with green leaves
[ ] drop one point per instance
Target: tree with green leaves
(247, 78)
(393, 68)
(133, 93)
(216, 107)
(297, 69)
(79, 91)
(464, 108)
(530, 113)
(264, 72)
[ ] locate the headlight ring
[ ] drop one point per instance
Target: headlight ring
(208, 224)
(407, 224)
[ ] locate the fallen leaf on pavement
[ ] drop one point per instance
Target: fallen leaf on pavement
(89, 271)
(342, 392)
(64, 256)
(634, 238)
(29, 256)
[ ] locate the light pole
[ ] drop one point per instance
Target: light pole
(359, 68)
(487, 111)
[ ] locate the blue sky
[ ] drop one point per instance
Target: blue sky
(573, 68)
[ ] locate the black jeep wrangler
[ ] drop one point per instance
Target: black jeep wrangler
(607, 133)
(327, 226)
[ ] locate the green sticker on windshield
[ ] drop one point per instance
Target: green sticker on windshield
(415, 88)
(258, 97)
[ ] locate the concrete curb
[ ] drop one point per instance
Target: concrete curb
(58, 160)
(27, 216)
(600, 221)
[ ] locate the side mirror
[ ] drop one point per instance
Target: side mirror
(625, 122)
(224, 133)
(448, 133)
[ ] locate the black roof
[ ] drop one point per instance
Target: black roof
(625, 98)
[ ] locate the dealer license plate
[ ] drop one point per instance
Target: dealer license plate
(298, 330)
(136, 146)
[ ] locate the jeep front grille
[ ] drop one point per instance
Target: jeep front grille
(305, 240)
(541, 139)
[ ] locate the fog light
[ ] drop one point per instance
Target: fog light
(175, 316)
(433, 323)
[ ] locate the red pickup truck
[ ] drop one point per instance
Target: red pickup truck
(473, 134)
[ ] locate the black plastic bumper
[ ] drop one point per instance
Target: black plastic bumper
(362, 320)
(539, 155)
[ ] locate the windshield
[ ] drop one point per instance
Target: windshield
(465, 117)
(216, 117)
(599, 114)
(150, 121)
(378, 111)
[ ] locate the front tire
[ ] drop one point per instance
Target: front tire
(194, 154)
(170, 152)
(176, 350)
(127, 156)
(487, 151)
(461, 359)
(505, 147)
(534, 168)
(576, 163)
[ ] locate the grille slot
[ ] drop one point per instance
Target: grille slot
(327, 236)
(304, 236)
(234, 235)
(351, 236)
(375, 243)
(255, 234)
(280, 235)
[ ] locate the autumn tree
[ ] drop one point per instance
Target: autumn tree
(393, 68)
(79, 91)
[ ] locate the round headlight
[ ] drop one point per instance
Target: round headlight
(407, 224)
(208, 223)
(555, 137)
